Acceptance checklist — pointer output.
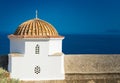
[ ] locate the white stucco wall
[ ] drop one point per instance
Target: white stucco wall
(55, 45)
(52, 67)
(31, 44)
(17, 45)
(23, 68)
(9, 63)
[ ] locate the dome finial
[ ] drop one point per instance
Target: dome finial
(36, 14)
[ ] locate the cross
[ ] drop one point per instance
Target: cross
(36, 14)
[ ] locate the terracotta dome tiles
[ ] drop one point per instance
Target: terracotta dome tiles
(35, 28)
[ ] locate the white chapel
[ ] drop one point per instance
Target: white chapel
(36, 52)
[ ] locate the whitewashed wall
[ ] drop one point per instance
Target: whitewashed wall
(22, 67)
(55, 45)
(31, 44)
(17, 45)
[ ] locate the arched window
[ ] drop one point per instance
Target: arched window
(37, 49)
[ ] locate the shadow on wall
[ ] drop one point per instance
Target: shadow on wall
(4, 61)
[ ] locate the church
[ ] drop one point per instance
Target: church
(36, 52)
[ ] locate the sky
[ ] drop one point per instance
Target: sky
(67, 16)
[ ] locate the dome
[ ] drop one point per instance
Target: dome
(35, 28)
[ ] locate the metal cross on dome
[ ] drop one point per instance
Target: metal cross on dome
(36, 14)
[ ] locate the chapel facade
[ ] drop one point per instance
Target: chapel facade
(36, 52)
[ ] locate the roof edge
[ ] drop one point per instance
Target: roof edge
(27, 36)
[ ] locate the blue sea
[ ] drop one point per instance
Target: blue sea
(79, 44)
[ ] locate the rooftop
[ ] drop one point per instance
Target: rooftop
(35, 28)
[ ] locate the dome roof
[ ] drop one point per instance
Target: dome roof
(35, 28)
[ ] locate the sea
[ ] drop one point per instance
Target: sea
(79, 44)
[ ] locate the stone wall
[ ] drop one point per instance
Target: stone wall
(95, 68)
(76, 81)
(95, 63)
(92, 76)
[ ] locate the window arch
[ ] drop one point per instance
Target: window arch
(37, 49)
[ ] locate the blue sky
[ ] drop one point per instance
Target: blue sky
(67, 16)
